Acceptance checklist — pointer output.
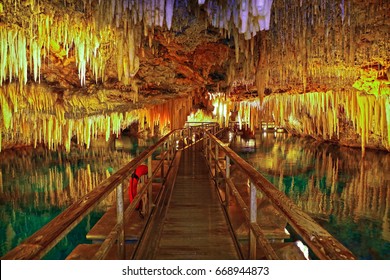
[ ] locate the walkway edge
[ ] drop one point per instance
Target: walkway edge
(152, 233)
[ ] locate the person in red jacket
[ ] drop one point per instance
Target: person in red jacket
(133, 184)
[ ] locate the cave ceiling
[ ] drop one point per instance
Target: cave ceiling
(190, 58)
(144, 54)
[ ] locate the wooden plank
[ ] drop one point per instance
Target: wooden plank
(194, 226)
(285, 251)
(153, 229)
(88, 251)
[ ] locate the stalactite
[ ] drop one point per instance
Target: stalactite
(333, 51)
(6, 112)
(47, 124)
(367, 113)
(46, 33)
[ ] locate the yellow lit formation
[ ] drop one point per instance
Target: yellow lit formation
(30, 115)
(319, 114)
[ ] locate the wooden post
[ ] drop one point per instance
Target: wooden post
(171, 144)
(173, 138)
(150, 188)
(189, 135)
(216, 164)
(209, 151)
(162, 164)
(168, 148)
(120, 219)
(204, 140)
(227, 190)
(253, 219)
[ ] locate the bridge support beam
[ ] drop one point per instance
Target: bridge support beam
(150, 193)
(227, 190)
(120, 219)
(253, 219)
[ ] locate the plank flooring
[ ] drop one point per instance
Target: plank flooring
(194, 225)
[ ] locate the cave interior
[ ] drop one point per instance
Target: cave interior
(76, 70)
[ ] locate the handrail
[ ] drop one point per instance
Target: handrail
(321, 242)
(43, 240)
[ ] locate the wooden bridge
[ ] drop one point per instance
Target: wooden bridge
(200, 201)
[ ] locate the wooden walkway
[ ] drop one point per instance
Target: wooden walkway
(186, 218)
(191, 223)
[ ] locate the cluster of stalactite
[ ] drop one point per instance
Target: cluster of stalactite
(226, 110)
(24, 50)
(30, 115)
(247, 16)
(99, 30)
(319, 42)
(320, 114)
(323, 115)
(91, 42)
(172, 115)
(91, 35)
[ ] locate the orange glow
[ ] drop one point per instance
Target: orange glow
(200, 116)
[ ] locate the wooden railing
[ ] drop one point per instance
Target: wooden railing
(321, 243)
(42, 241)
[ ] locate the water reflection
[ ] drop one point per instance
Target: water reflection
(43, 179)
(347, 194)
(36, 185)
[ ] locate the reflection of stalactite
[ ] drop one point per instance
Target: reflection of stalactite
(360, 191)
(386, 216)
(56, 186)
(361, 197)
(1, 182)
(342, 185)
(10, 235)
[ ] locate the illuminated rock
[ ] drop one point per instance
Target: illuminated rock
(80, 69)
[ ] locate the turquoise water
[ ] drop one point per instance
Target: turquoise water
(37, 185)
(349, 195)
